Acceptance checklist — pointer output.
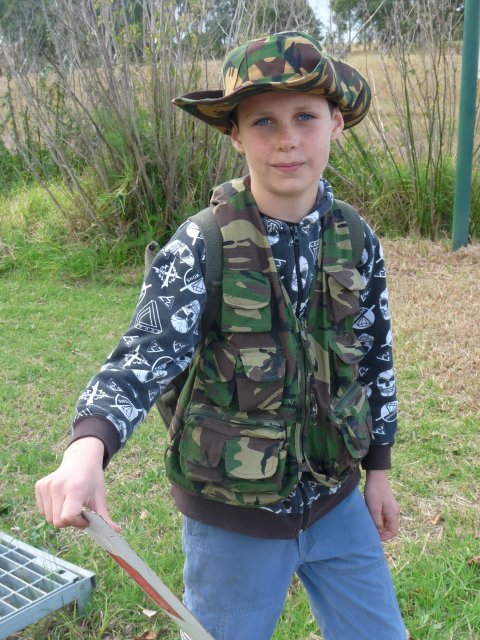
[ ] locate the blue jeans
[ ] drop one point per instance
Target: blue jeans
(236, 585)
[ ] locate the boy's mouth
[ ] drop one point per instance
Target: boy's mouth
(287, 167)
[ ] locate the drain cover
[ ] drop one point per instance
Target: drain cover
(34, 583)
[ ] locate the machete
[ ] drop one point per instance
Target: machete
(125, 556)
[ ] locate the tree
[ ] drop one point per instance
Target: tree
(23, 24)
(381, 17)
(281, 15)
(228, 21)
(345, 16)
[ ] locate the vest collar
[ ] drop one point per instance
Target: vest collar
(222, 193)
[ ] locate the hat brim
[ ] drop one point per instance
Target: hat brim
(332, 79)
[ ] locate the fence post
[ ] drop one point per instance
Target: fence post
(466, 124)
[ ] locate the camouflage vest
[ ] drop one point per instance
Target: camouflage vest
(270, 397)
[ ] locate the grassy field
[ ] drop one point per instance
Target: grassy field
(56, 333)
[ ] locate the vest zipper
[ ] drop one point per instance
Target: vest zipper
(302, 394)
(303, 413)
(304, 375)
(296, 251)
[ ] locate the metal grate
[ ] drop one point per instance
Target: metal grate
(34, 583)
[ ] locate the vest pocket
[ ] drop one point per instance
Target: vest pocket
(343, 285)
(260, 375)
(348, 352)
(246, 302)
(216, 373)
(336, 448)
(239, 453)
(250, 379)
(350, 413)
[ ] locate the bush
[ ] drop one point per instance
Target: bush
(393, 199)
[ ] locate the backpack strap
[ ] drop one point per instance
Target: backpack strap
(212, 237)
(355, 228)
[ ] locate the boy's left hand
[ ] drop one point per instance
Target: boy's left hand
(382, 504)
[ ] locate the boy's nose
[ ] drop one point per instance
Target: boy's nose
(286, 139)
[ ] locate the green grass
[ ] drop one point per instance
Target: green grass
(55, 333)
(42, 239)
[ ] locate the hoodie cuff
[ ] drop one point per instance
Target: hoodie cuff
(378, 458)
(101, 428)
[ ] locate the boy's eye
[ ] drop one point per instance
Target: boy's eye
(262, 121)
(305, 116)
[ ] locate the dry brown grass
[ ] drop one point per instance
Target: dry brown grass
(435, 302)
(380, 69)
(435, 299)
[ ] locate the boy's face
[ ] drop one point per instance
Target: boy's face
(286, 140)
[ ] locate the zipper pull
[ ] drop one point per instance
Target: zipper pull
(313, 407)
(303, 333)
(294, 232)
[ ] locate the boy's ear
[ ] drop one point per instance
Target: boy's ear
(337, 124)
(235, 137)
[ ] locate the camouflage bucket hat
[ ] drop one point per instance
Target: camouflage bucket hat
(288, 61)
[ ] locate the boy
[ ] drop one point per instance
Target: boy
(264, 448)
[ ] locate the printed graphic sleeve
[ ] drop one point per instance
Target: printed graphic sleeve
(158, 344)
(373, 329)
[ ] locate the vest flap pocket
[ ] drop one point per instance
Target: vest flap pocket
(344, 277)
(347, 347)
(202, 446)
(246, 301)
(343, 285)
(256, 373)
(350, 412)
(223, 450)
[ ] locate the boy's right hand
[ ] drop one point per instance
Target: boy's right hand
(78, 482)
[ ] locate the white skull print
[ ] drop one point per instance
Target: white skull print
(366, 264)
(386, 383)
(384, 308)
(160, 365)
(177, 248)
(185, 318)
(366, 340)
(273, 228)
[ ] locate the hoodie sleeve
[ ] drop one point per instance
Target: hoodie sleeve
(372, 327)
(158, 344)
